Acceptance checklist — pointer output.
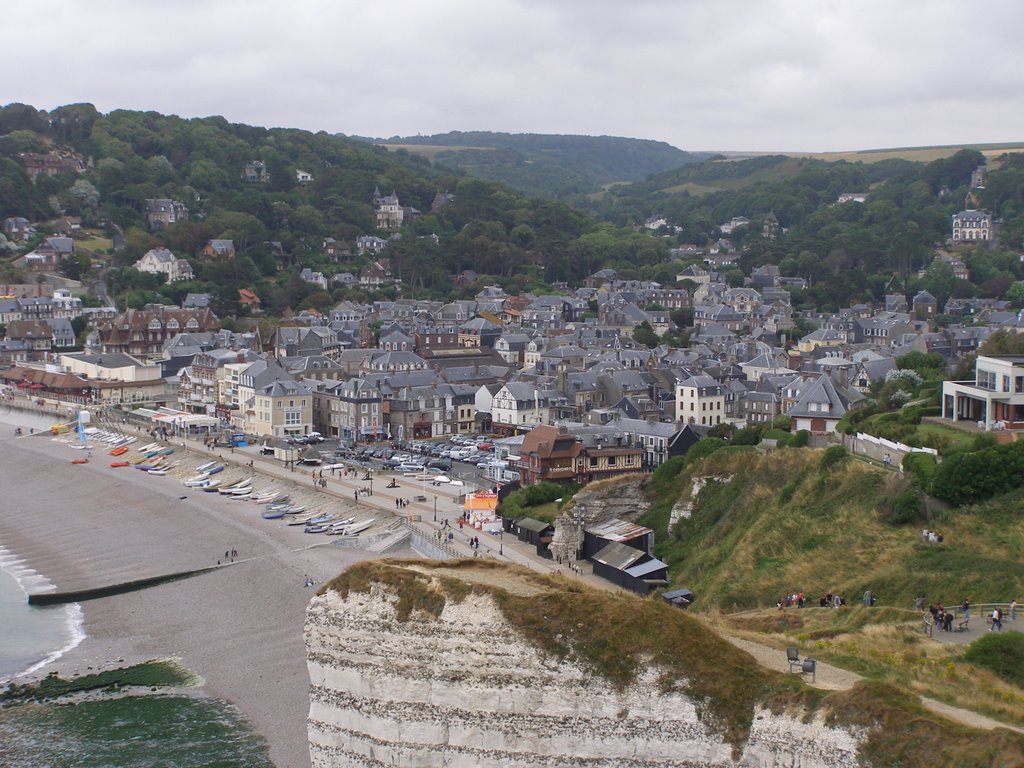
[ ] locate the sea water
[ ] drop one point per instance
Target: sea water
(30, 636)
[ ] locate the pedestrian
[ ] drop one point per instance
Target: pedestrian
(867, 597)
(1013, 611)
(997, 621)
(966, 608)
(887, 460)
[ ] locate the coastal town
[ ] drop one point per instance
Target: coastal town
(589, 360)
(511, 446)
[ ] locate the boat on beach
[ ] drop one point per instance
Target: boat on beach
(79, 461)
(120, 464)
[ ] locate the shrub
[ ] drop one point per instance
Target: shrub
(976, 475)
(920, 466)
(833, 455)
(800, 439)
(904, 508)
(1001, 653)
(747, 436)
(703, 449)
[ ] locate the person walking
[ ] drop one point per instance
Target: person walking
(966, 608)
(1013, 611)
(997, 621)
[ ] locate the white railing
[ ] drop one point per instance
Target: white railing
(892, 446)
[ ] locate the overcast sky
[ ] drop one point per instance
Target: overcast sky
(807, 75)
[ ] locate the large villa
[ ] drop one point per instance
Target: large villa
(994, 400)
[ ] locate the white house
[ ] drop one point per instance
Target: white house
(994, 400)
(700, 400)
(160, 261)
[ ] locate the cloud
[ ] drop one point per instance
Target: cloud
(799, 75)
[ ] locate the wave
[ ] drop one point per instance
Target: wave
(74, 617)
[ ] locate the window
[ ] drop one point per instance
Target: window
(593, 461)
(291, 418)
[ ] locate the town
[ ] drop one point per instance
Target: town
(589, 361)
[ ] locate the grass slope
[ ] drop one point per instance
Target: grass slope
(784, 524)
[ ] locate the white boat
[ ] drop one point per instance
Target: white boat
(238, 486)
(157, 472)
(206, 466)
(241, 496)
(355, 528)
(196, 481)
(211, 486)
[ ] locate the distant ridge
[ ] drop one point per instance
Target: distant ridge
(550, 165)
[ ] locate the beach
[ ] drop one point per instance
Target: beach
(239, 627)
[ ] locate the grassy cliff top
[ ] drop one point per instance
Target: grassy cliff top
(614, 635)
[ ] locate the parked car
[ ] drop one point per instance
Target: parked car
(442, 464)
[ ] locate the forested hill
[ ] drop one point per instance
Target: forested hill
(552, 165)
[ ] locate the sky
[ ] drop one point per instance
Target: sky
(702, 75)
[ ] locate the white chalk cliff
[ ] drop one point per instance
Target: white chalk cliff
(461, 685)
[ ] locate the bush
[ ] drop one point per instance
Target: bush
(977, 475)
(703, 449)
(747, 436)
(833, 455)
(920, 466)
(800, 439)
(905, 508)
(1001, 653)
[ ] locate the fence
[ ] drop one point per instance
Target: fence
(429, 545)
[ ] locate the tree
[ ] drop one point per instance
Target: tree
(1015, 294)
(644, 334)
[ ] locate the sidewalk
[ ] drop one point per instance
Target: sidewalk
(507, 548)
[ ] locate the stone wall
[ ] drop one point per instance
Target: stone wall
(466, 690)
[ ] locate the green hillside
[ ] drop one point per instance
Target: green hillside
(559, 166)
(786, 523)
(818, 522)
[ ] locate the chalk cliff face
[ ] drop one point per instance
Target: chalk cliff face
(459, 684)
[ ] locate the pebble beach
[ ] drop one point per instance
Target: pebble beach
(239, 627)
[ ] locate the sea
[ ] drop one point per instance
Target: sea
(32, 636)
(151, 731)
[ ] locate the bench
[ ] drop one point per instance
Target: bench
(421, 498)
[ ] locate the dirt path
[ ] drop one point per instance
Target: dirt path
(832, 678)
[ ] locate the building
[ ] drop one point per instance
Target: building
(971, 226)
(255, 172)
(143, 332)
(519, 405)
(388, 210)
(817, 406)
(994, 400)
(700, 400)
(162, 211)
(160, 261)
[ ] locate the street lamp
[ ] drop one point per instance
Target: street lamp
(435, 507)
(501, 542)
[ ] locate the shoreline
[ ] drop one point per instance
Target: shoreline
(74, 619)
(238, 628)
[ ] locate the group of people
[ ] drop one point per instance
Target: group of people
(402, 503)
(931, 537)
(229, 556)
(831, 600)
(789, 600)
(943, 618)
